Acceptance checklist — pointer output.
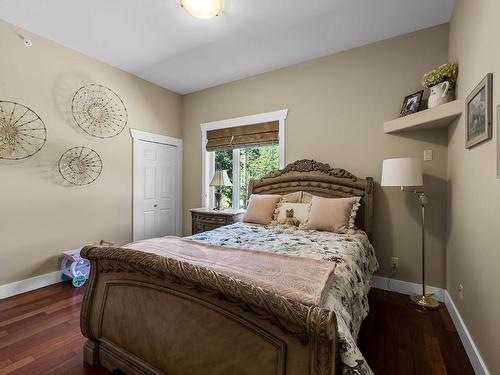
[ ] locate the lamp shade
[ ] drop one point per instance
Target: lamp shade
(402, 172)
(221, 179)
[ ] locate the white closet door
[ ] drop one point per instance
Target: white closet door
(154, 190)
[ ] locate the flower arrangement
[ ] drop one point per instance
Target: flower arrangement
(446, 72)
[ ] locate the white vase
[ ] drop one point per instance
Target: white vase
(440, 94)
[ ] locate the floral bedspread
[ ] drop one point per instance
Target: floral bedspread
(355, 260)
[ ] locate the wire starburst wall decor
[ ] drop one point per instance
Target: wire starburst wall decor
(99, 111)
(22, 131)
(80, 165)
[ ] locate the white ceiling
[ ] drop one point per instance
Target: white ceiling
(159, 41)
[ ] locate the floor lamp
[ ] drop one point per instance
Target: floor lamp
(405, 172)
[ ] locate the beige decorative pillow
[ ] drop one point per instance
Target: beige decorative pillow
(261, 208)
(306, 197)
(294, 197)
(300, 212)
(333, 214)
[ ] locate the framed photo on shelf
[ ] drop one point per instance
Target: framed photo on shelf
(479, 113)
(411, 104)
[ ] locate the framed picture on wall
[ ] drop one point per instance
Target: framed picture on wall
(479, 113)
(411, 104)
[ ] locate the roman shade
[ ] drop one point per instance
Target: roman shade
(265, 133)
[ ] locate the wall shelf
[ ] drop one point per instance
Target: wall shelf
(436, 117)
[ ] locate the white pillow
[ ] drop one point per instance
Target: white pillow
(300, 212)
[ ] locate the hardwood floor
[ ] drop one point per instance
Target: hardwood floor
(399, 338)
(40, 334)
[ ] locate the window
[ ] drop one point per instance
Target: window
(224, 160)
(247, 147)
(243, 165)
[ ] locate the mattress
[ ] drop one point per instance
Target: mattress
(348, 294)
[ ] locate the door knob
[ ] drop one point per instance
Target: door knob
(155, 205)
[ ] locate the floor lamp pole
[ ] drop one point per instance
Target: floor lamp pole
(423, 245)
(424, 300)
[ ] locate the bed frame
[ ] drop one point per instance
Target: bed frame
(143, 315)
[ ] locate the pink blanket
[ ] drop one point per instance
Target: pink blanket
(300, 279)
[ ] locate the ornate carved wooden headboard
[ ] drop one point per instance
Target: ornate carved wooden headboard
(319, 179)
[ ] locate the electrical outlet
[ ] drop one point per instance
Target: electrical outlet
(427, 155)
(394, 262)
(461, 291)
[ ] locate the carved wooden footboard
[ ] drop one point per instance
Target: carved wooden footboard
(146, 314)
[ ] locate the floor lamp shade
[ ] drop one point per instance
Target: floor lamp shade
(401, 172)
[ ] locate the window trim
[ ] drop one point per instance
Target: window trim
(208, 160)
(236, 173)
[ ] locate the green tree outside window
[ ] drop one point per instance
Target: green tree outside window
(255, 162)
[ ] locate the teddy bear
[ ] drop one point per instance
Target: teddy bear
(290, 220)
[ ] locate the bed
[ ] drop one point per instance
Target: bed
(148, 314)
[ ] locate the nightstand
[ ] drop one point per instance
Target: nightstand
(204, 219)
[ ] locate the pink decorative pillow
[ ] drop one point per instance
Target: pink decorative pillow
(333, 214)
(261, 208)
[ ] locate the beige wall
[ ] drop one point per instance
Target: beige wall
(39, 216)
(336, 108)
(337, 105)
(473, 251)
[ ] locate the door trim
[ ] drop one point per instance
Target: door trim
(139, 135)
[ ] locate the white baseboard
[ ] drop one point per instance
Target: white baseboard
(442, 295)
(23, 286)
(406, 287)
(470, 347)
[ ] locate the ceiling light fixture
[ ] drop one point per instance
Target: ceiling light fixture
(202, 8)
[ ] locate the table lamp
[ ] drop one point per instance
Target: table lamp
(219, 181)
(406, 172)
